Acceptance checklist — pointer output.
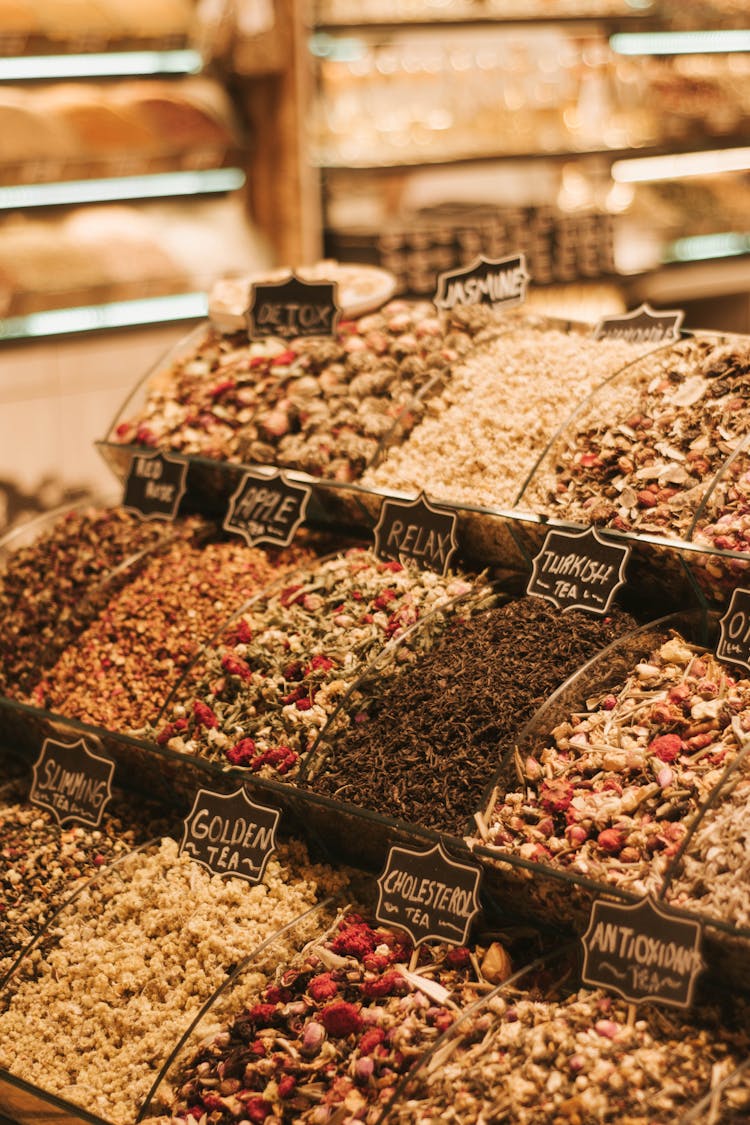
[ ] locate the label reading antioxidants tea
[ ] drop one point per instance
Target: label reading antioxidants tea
(267, 508)
(154, 486)
(293, 308)
(72, 782)
(229, 834)
(734, 643)
(642, 952)
(417, 530)
(428, 894)
(642, 326)
(578, 570)
(487, 281)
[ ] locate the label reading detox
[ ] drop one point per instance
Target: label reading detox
(293, 308)
(642, 326)
(642, 952)
(578, 570)
(428, 894)
(486, 281)
(229, 834)
(73, 783)
(416, 530)
(154, 486)
(734, 642)
(267, 508)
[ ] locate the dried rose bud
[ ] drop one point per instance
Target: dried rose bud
(364, 1069)
(664, 776)
(607, 1029)
(313, 1038)
(610, 840)
(576, 835)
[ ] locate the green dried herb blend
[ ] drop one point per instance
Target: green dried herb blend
(424, 744)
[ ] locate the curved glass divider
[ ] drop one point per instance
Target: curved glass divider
(25, 1104)
(542, 1043)
(722, 526)
(539, 885)
(728, 1103)
(243, 984)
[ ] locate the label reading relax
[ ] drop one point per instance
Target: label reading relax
(578, 570)
(72, 782)
(293, 308)
(642, 326)
(229, 834)
(734, 642)
(417, 530)
(267, 508)
(642, 952)
(487, 281)
(155, 485)
(428, 894)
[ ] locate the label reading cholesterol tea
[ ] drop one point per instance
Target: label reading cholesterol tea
(72, 782)
(486, 281)
(229, 834)
(293, 308)
(642, 326)
(734, 642)
(578, 570)
(416, 530)
(430, 895)
(642, 952)
(267, 508)
(154, 486)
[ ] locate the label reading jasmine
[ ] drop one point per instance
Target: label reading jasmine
(72, 782)
(293, 308)
(578, 570)
(642, 951)
(486, 281)
(734, 642)
(155, 485)
(229, 834)
(267, 508)
(417, 530)
(642, 326)
(430, 895)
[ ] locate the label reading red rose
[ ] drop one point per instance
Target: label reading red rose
(642, 326)
(734, 642)
(293, 308)
(230, 834)
(72, 782)
(642, 951)
(266, 507)
(155, 485)
(487, 281)
(430, 895)
(578, 570)
(416, 530)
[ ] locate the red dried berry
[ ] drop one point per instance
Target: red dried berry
(287, 1085)
(262, 1014)
(303, 704)
(293, 671)
(287, 595)
(341, 1019)
(233, 666)
(383, 599)
(319, 663)
(204, 716)
(386, 985)
(394, 567)
(322, 987)
(293, 696)
(257, 1110)
(458, 957)
(221, 387)
(355, 940)
(666, 747)
(170, 730)
(371, 1039)
(242, 634)
(376, 962)
(242, 753)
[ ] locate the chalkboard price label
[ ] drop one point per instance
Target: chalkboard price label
(486, 281)
(642, 326)
(734, 642)
(229, 834)
(578, 570)
(643, 951)
(430, 895)
(155, 485)
(72, 782)
(417, 530)
(267, 508)
(293, 308)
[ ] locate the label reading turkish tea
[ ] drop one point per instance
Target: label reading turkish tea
(642, 952)
(417, 530)
(154, 486)
(293, 308)
(734, 642)
(487, 281)
(428, 894)
(72, 782)
(642, 326)
(578, 570)
(267, 508)
(229, 834)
